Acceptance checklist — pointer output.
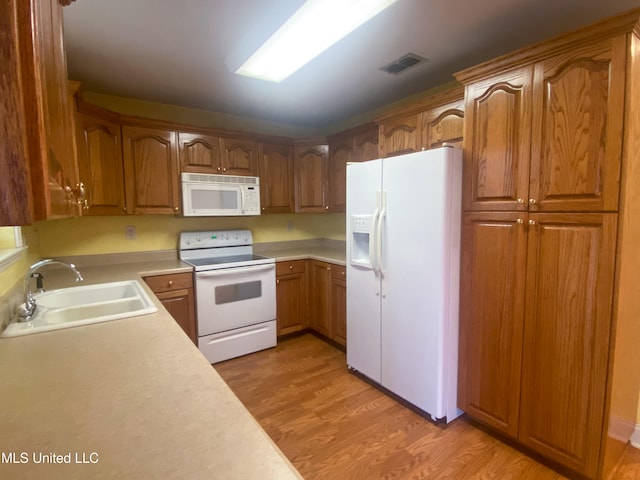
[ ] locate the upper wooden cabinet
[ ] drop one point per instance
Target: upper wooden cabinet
(202, 153)
(430, 123)
(547, 136)
(151, 170)
(239, 157)
(355, 145)
(310, 177)
(36, 115)
(275, 168)
(498, 142)
(100, 165)
(199, 153)
(400, 135)
(15, 209)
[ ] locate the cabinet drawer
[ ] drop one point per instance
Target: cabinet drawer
(174, 281)
(294, 266)
(338, 272)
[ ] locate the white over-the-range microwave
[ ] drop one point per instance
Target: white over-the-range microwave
(207, 195)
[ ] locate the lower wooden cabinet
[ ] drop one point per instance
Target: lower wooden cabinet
(312, 294)
(535, 325)
(291, 296)
(175, 291)
(320, 278)
(338, 305)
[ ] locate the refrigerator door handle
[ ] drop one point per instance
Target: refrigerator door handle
(381, 216)
(372, 236)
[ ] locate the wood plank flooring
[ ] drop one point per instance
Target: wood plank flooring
(334, 426)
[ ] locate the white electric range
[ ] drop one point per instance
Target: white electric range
(235, 292)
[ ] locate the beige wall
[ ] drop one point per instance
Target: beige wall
(16, 271)
(98, 235)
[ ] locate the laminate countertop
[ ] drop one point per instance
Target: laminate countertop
(324, 254)
(125, 399)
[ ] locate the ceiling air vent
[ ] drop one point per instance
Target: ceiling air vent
(404, 62)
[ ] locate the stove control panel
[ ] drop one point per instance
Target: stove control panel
(215, 238)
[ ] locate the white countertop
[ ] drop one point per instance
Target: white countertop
(135, 395)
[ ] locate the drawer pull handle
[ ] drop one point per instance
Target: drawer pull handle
(170, 283)
(290, 267)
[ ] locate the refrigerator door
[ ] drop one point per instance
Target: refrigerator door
(364, 181)
(416, 249)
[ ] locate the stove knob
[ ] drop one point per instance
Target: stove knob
(188, 241)
(198, 238)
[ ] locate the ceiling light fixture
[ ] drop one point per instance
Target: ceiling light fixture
(316, 26)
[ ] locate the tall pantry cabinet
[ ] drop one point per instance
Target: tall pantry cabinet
(549, 302)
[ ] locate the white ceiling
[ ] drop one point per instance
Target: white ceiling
(181, 52)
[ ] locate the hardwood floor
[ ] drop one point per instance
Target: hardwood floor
(334, 426)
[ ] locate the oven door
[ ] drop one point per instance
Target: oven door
(231, 298)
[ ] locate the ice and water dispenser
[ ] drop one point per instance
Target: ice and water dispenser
(361, 240)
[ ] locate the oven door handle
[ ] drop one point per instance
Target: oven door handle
(227, 272)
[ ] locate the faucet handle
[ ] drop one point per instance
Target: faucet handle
(39, 281)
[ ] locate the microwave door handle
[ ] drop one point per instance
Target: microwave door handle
(242, 199)
(225, 272)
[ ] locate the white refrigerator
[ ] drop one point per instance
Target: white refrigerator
(403, 261)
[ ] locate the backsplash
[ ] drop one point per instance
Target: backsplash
(99, 235)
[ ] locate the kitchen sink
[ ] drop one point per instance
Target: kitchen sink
(84, 305)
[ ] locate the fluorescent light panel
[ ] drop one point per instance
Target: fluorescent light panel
(316, 26)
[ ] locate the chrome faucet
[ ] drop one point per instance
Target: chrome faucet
(28, 308)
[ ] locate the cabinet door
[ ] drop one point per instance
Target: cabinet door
(442, 125)
(566, 336)
(310, 176)
(497, 142)
(100, 164)
(151, 170)
(180, 305)
(199, 153)
(291, 296)
(493, 262)
(320, 278)
(339, 154)
(239, 157)
(577, 129)
(49, 116)
(338, 305)
(365, 145)
(276, 178)
(16, 198)
(400, 135)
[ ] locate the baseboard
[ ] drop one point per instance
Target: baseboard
(635, 437)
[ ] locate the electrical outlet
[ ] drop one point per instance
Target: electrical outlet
(289, 225)
(130, 232)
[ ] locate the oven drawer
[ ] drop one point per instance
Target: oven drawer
(294, 266)
(173, 281)
(241, 341)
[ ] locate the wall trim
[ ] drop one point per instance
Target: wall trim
(10, 255)
(635, 438)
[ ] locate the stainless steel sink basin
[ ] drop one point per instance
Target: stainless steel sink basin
(84, 305)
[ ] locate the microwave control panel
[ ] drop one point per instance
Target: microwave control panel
(252, 200)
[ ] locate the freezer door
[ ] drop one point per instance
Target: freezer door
(363, 281)
(417, 245)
